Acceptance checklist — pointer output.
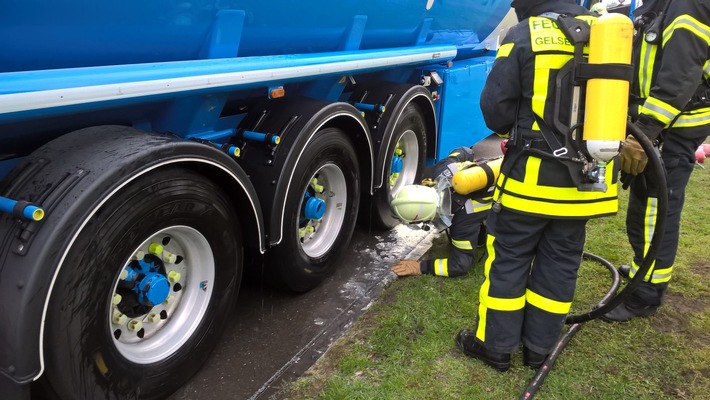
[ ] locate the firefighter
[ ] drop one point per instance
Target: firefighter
(536, 229)
(670, 104)
(469, 213)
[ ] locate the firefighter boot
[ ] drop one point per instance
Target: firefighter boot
(466, 341)
(625, 312)
(533, 359)
(625, 270)
(643, 302)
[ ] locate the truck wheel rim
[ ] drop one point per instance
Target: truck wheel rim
(146, 333)
(329, 186)
(407, 151)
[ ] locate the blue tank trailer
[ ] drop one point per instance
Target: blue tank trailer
(147, 148)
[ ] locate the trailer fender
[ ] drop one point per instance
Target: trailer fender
(395, 98)
(72, 177)
(404, 129)
(295, 121)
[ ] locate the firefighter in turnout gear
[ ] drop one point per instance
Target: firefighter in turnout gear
(671, 105)
(469, 212)
(536, 230)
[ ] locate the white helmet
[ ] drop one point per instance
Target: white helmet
(599, 8)
(417, 203)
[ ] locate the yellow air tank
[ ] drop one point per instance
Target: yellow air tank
(477, 177)
(610, 42)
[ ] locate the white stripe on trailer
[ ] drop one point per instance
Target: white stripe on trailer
(27, 101)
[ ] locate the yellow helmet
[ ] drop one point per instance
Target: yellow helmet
(416, 203)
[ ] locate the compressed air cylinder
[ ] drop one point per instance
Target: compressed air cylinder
(607, 99)
(480, 176)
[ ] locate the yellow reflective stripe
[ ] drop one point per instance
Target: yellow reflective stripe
(558, 201)
(482, 309)
(480, 207)
(655, 275)
(647, 61)
(532, 171)
(500, 304)
(504, 50)
(706, 69)
(698, 117)
(441, 267)
(462, 244)
(547, 304)
(649, 222)
(562, 210)
(530, 189)
(649, 225)
(543, 64)
(685, 21)
(659, 110)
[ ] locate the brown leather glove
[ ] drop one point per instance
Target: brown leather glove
(407, 268)
(632, 158)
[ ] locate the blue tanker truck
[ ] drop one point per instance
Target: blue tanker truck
(149, 148)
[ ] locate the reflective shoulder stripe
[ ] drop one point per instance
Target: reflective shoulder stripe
(689, 23)
(547, 304)
(647, 62)
(504, 50)
(541, 80)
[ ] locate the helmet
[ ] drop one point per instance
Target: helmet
(599, 8)
(416, 203)
(525, 8)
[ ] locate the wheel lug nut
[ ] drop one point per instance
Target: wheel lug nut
(168, 257)
(139, 255)
(174, 277)
(135, 325)
(153, 317)
(155, 249)
(119, 318)
(116, 299)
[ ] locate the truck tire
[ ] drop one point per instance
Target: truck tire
(321, 209)
(144, 291)
(407, 147)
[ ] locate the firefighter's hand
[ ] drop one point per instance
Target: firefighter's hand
(632, 158)
(407, 268)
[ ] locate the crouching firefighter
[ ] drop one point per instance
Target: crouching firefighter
(558, 171)
(459, 199)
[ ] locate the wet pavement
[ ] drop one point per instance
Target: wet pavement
(276, 336)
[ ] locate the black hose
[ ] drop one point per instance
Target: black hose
(542, 372)
(656, 165)
(609, 302)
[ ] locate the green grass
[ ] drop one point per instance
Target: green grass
(403, 346)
